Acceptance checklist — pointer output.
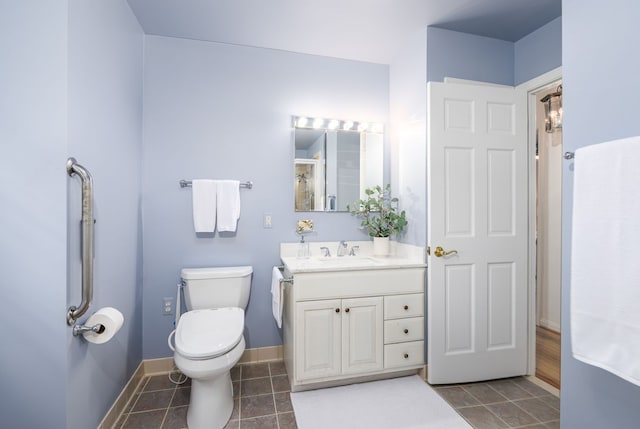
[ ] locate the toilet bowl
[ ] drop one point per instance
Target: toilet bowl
(209, 340)
(208, 343)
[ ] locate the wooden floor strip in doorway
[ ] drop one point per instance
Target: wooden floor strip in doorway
(548, 356)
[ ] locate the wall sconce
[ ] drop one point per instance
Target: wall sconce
(553, 110)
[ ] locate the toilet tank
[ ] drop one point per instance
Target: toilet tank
(216, 287)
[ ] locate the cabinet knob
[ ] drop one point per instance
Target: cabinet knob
(406, 331)
(346, 310)
(406, 307)
(337, 310)
(406, 355)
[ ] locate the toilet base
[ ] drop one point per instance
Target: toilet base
(205, 412)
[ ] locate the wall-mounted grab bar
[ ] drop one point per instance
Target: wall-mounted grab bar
(87, 240)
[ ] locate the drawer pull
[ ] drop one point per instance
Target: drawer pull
(406, 355)
(406, 307)
(346, 310)
(406, 331)
(337, 310)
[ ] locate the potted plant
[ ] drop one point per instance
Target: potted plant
(380, 216)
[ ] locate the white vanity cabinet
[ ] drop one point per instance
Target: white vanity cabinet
(352, 325)
(338, 336)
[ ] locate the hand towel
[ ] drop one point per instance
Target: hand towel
(204, 205)
(276, 296)
(228, 204)
(605, 259)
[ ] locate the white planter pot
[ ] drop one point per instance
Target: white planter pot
(381, 246)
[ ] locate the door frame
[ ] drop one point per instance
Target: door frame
(530, 87)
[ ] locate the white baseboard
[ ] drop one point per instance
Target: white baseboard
(545, 323)
(164, 366)
(111, 418)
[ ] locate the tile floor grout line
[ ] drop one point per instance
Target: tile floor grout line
(546, 421)
(273, 397)
(499, 418)
(166, 412)
(527, 412)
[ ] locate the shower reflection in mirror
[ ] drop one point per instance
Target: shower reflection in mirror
(335, 161)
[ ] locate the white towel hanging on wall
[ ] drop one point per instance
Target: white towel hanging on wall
(605, 260)
(228, 202)
(204, 205)
(276, 295)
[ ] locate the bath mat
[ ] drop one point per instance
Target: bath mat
(399, 403)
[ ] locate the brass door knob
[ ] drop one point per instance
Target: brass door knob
(406, 356)
(337, 310)
(440, 252)
(346, 310)
(406, 307)
(406, 331)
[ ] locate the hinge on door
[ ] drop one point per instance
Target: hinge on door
(428, 250)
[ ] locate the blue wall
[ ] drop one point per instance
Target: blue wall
(408, 132)
(601, 89)
(538, 52)
(222, 111)
(105, 135)
(467, 56)
(70, 81)
(33, 132)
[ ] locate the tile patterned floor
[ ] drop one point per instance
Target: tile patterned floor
(509, 403)
(261, 400)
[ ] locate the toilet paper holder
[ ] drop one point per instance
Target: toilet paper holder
(81, 329)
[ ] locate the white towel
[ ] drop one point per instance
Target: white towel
(204, 205)
(228, 204)
(605, 260)
(276, 296)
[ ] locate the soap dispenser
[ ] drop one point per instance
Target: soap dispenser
(303, 248)
(304, 226)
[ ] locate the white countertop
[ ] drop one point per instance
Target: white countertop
(402, 256)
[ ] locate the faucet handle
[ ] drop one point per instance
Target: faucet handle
(325, 252)
(352, 252)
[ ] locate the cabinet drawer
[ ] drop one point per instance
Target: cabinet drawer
(400, 306)
(404, 354)
(402, 330)
(356, 283)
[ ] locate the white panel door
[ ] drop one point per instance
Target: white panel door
(362, 335)
(477, 206)
(318, 339)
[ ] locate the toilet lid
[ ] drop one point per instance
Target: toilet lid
(209, 333)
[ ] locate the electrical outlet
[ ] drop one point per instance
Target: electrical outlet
(267, 220)
(167, 306)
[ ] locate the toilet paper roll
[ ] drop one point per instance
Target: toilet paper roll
(108, 317)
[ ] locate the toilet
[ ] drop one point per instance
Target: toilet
(209, 339)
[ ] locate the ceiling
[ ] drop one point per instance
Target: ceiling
(361, 30)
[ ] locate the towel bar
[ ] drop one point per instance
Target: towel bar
(188, 183)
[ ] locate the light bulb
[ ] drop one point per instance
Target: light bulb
(317, 122)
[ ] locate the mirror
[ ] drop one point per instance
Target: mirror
(333, 167)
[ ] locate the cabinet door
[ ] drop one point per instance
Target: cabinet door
(318, 339)
(362, 335)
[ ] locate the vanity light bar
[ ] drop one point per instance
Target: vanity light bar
(336, 124)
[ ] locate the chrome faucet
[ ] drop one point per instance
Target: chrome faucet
(325, 252)
(352, 252)
(342, 248)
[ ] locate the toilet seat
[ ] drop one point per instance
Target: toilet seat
(208, 333)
